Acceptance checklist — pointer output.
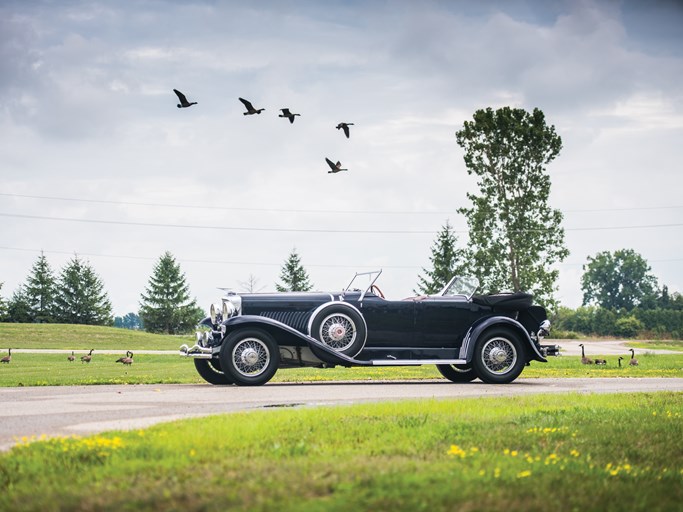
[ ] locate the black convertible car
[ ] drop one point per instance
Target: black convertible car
(467, 336)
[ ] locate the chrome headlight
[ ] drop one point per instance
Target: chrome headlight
(214, 311)
(544, 329)
(229, 310)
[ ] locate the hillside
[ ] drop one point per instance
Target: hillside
(84, 337)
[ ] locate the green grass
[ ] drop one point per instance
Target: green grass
(84, 337)
(54, 370)
(543, 452)
(657, 345)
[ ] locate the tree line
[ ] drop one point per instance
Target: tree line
(515, 241)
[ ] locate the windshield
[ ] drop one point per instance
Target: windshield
(465, 286)
(363, 281)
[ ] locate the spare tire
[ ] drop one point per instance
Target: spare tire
(339, 327)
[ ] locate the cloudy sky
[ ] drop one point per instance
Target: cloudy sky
(96, 160)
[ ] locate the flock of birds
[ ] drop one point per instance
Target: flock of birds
(285, 113)
(602, 362)
(127, 360)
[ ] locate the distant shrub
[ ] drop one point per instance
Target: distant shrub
(627, 327)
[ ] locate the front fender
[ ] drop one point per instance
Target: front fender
(467, 348)
(285, 335)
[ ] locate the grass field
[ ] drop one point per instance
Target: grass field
(84, 337)
(54, 370)
(657, 345)
(544, 452)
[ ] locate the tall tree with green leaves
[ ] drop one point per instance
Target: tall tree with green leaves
(40, 290)
(619, 280)
(293, 275)
(166, 306)
(80, 297)
(447, 260)
(515, 237)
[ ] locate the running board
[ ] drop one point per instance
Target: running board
(414, 362)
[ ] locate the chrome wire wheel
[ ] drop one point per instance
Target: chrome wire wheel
(499, 355)
(338, 331)
(250, 357)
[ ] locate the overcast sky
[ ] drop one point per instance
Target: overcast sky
(89, 130)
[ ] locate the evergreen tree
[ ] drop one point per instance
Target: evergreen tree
(3, 306)
(19, 307)
(447, 261)
(515, 237)
(80, 297)
(40, 290)
(166, 306)
(293, 275)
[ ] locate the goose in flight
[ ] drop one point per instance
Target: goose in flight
(334, 167)
(250, 108)
(286, 113)
(183, 100)
(345, 127)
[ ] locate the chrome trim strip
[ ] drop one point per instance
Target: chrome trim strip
(415, 362)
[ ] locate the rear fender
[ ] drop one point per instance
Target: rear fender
(467, 348)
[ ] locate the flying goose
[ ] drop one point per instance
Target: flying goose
(334, 167)
(250, 108)
(286, 113)
(183, 100)
(88, 358)
(8, 357)
(345, 127)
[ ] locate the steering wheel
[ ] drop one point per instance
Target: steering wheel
(375, 289)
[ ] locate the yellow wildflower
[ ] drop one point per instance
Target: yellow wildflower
(524, 474)
(456, 451)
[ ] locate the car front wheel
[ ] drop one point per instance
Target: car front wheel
(250, 357)
(210, 370)
(498, 357)
(457, 372)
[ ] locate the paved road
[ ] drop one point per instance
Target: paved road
(68, 410)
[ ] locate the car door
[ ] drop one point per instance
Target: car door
(443, 321)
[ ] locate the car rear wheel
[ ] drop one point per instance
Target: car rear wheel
(250, 357)
(341, 328)
(457, 372)
(210, 370)
(498, 356)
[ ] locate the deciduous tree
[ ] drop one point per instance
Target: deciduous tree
(617, 280)
(515, 236)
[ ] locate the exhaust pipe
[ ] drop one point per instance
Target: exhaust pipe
(196, 351)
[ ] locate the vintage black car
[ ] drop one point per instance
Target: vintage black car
(249, 337)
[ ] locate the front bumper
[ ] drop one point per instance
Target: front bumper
(550, 350)
(196, 352)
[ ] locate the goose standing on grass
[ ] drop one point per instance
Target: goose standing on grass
(183, 100)
(633, 361)
(8, 357)
(250, 108)
(619, 361)
(334, 167)
(88, 358)
(286, 113)
(72, 357)
(126, 360)
(345, 128)
(584, 359)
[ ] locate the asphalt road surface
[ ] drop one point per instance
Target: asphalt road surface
(83, 410)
